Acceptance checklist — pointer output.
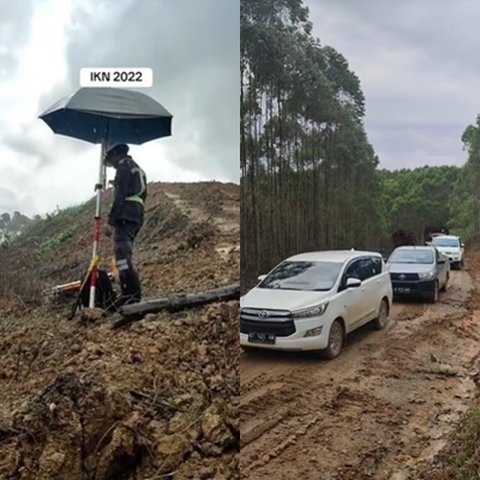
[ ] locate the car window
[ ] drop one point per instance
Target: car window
(303, 275)
(367, 268)
(424, 256)
(362, 269)
(353, 270)
(377, 265)
(446, 242)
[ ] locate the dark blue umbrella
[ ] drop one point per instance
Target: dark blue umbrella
(109, 114)
(106, 115)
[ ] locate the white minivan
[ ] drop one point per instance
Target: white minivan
(311, 301)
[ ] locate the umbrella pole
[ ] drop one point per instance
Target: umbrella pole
(96, 225)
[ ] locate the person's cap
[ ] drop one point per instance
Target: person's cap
(117, 147)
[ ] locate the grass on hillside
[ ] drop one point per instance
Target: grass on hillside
(463, 461)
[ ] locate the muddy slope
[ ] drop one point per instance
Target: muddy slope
(79, 401)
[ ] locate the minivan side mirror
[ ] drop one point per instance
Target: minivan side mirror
(353, 283)
(261, 278)
(462, 245)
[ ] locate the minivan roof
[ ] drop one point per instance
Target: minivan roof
(339, 256)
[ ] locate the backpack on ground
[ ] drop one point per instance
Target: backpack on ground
(105, 295)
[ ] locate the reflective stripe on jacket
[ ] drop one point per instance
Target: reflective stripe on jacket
(130, 192)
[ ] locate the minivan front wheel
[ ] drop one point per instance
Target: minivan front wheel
(335, 340)
(381, 321)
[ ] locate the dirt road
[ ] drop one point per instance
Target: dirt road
(379, 411)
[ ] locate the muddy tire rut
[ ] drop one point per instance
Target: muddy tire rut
(379, 411)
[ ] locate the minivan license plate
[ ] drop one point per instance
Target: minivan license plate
(259, 337)
(402, 290)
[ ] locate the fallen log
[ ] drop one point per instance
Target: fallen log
(175, 303)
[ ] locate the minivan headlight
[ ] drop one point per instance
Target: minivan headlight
(427, 276)
(311, 311)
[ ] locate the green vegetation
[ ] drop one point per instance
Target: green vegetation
(309, 176)
(308, 171)
(421, 197)
(69, 214)
(53, 243)
(463, 461)
(466, 202)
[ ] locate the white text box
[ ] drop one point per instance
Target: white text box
(116, 77)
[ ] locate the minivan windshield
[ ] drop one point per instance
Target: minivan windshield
(308, 276)
(446, 242)
(411, 256)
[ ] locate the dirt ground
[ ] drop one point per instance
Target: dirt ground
(157, 400)
(382, 410)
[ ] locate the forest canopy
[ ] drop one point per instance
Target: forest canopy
(310, 178)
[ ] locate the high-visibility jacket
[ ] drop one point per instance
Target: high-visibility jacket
(130, 192)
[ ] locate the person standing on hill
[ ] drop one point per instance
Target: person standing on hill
(126, 217)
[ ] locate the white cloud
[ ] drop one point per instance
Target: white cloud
(418, 65)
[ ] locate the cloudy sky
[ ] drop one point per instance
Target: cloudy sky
(419, 66)
(192, 47)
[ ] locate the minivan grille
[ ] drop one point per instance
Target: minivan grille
(279, 322)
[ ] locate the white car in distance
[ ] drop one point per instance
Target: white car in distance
(311, 301)
(452, 247)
